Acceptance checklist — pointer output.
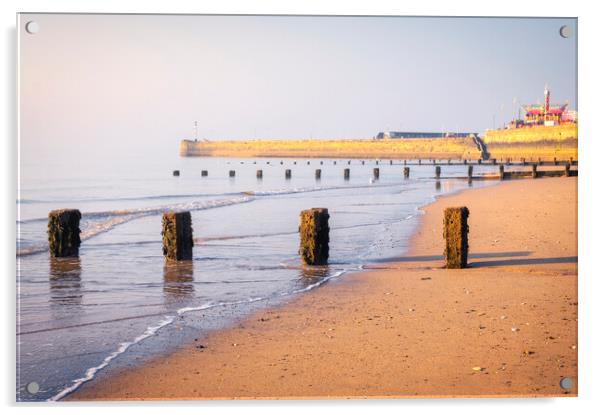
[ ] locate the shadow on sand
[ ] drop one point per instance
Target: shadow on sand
(509, 258)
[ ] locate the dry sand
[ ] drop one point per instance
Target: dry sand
(506, 326)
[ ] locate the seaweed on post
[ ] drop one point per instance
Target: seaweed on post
(63, 232)
(314, 236)
(177, 236)
(455, 233)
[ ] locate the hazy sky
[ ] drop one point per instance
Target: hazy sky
(101, 83)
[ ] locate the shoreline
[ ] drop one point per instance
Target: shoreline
(289, 351)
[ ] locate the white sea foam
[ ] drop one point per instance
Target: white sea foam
(152, 330)
(90, 373)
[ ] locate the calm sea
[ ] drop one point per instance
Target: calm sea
(119, 303)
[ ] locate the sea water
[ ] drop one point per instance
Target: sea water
(120, 303)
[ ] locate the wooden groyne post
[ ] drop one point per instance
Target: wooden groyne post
(469, 173)
(63, 232)
(567, 169)
(204, 173)
(406, 172)
(346, 174)
(177, 236)
(501, 172)
(232, 173)
(314, 236)
(176, 173)
(534, 171)
(318, 174)
(438, 172)
(376, 173)
(259, 174)
(287, 174)
(455, 232)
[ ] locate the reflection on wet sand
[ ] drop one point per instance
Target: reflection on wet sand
(438, 186)
(178, 281)
(309, 275)
(65, 281)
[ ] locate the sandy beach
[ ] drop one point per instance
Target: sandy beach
(505, 326)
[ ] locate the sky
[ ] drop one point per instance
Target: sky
(105, 83)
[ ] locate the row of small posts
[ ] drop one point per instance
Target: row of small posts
(534, 173)
(314, 233)
(318, 173)
(376, 172)
(492, 161)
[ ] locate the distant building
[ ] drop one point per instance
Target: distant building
(415, 134)
(546, 114)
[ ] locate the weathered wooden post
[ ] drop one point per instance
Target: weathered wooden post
(390, 162)
(465, 161)
(295, 162)
(363, 162)
(555, 162)
(281, 162)
(494, 161)
(567, 169)
(438, 172)
(204, 173)
(260, 174)
(177, 236)
(346, 174)
(308, 162)
(434, 162)
(469, 173)
(334, 162)
(501, 172)
(176, 173)
(479, 161)
(318, 174)
(377, 162)
(63, 232)
(376, 173)
(572, 161)
(455, 232)
(348, 162)
(287, 174)
(405, 162)
(448, 161)
(314, 236)
(232, 173)
(523, 161)
(321, 162)
(419, 161)
(534, 171)
(406, 172)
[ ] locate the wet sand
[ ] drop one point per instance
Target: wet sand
(505, 326)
